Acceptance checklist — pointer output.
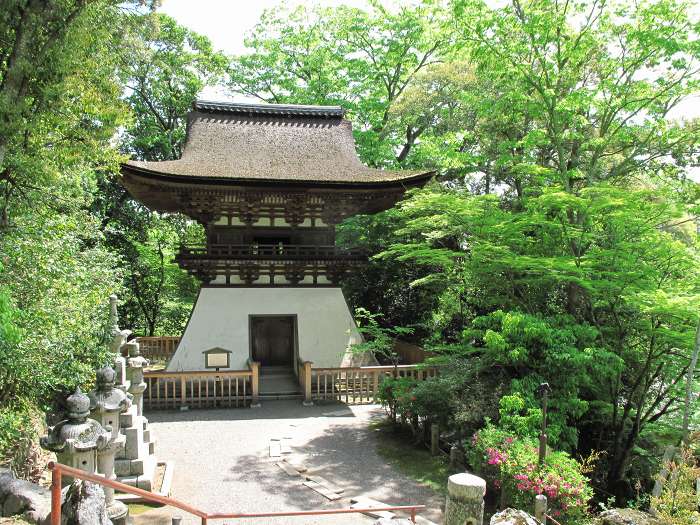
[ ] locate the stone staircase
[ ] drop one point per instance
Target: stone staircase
(279, 383)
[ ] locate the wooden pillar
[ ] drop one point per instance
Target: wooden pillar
(56, 495)
(308, 401)
(435, 439)
(254, 384)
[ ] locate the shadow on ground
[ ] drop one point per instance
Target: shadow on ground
(222, 461)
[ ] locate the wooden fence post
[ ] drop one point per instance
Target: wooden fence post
(308, 401)
(434, 439)
(254, 384)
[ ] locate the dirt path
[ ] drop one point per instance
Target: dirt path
(222, 462)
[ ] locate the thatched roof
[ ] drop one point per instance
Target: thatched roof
(239, 143)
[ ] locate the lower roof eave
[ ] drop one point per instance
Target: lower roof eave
(411, 181)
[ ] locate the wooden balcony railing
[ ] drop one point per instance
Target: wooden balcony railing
(268, 251)
(158, 349)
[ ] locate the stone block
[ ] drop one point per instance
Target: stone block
(627, 516)
(137, 466)
(122, 467)
(18, 496)
(128, 418)
(135, 446)
(512, 517)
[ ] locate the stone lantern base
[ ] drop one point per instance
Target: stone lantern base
(136, 462)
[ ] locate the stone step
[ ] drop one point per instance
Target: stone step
(274, 397)
(143, 480)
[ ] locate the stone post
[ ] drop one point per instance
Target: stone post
(541, 508)
(465, 500)
(135, 364)
(308, 401)
(456, 458)
(77, 440)
(107, 403)
(119, 337)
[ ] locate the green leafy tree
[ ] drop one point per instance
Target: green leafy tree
(165, 67)
(362, 59)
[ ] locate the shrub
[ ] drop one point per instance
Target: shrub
(19, 450)
(433, 400)
(677, 504)
(509, 463)
(394, 395)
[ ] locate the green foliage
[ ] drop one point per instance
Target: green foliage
(394, 395)
(379, 340)
(167, 67)
(677, 504)
(362, 59)
(432, 400)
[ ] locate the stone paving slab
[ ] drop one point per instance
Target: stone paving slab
(223, 463)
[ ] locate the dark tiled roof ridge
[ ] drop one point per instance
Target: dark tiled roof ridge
(283, 110)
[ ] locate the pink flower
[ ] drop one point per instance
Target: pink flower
(495, 457)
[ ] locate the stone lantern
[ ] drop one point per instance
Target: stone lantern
(119, 338)
(135, 364)
(107, 403)
(77, 440)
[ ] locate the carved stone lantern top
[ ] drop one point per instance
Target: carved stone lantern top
(78, 433)
(105, 397)
(119, 336)
(135, 359)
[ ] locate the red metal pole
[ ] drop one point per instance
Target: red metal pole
(204, 521)
(55, 494)
(413, 515)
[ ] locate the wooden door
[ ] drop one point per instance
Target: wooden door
(272, 340)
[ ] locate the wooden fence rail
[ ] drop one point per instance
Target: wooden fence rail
(168, 390)
(359, 385)
(158, 348)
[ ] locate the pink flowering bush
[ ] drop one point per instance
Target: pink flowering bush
(509, 463)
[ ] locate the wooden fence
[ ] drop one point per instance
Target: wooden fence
(358, 385)
(240, 388)
(159, 348)
(229, 389)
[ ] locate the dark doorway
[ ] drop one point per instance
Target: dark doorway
(272, 340)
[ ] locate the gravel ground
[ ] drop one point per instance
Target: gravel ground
(222, 462)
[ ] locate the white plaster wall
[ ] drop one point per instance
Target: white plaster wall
(325, 328)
